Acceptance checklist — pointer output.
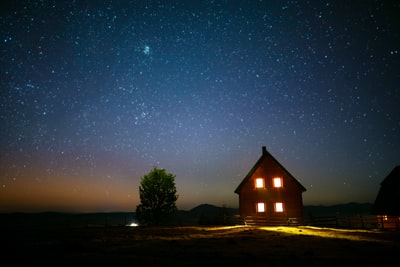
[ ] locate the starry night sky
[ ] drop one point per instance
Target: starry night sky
(94, 94)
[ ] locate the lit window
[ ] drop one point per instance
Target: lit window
(278, 207)
(260, 207)
(260, 183)
(277, 182)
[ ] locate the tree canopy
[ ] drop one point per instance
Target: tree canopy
(158, 197)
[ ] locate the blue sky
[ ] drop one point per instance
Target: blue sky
(94, 94)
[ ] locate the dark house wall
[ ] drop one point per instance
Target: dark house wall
(387, 201)
(290, 194)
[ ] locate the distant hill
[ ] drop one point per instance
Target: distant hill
(62, 220)
(340, 210)
(347, 209)
(207, 214)
(212, 209)
(203, 214)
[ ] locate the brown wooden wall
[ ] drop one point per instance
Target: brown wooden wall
(290, 194)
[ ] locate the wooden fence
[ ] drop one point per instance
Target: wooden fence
(259, 220)
(355, 222)
(359, 222)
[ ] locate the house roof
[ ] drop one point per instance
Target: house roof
(266, 154)
(387, 201)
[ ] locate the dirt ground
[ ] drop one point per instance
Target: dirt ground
(199, 246)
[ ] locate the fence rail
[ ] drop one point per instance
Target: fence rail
(259, 220)
(357, 222)
(326, 221)
(363, 222)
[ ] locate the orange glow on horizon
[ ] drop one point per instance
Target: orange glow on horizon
(66, 195)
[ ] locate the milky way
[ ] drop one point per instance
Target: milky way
(96, 93)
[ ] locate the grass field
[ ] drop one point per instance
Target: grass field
(198, 246)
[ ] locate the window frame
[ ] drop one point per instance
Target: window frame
(261, 207)
(280, 208)
(256, 184)
(275, 178)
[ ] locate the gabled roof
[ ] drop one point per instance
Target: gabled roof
(266, 154)
(387, 201)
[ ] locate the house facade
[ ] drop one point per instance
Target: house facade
(387, 202)
(270, 195)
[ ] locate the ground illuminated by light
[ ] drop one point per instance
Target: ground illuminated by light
(199, 232)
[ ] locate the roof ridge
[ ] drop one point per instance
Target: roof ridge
(253, 169)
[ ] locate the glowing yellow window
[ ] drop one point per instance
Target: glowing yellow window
(260, 183)
(278, 207)
(260, 207)
(277, 182)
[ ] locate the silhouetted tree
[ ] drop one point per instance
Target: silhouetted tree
(157, 197)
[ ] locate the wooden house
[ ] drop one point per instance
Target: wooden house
(270, 195)
(387, 202)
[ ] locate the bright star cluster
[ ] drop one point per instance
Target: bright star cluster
(96, 93)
